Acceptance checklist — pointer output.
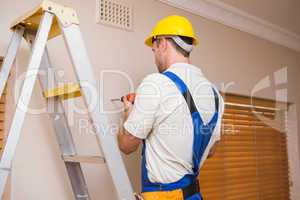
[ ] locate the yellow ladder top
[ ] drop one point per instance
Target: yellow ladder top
(31, 20)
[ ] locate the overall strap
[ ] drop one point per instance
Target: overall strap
(202, 132)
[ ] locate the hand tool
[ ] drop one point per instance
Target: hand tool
(130, 97)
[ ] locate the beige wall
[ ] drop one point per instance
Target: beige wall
(225, 55)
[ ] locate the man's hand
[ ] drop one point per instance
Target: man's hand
(127, 142)
(127, 108)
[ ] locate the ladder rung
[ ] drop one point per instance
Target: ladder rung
(70, 90)
(84, 159)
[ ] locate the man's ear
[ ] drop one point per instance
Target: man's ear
(164, 44)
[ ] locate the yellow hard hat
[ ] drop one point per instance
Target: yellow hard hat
(173, 25)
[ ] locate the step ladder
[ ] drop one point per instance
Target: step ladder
(38, 26)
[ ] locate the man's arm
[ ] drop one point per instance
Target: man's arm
(127, 142)
(218, 128)
(141, 116)
(212, 150)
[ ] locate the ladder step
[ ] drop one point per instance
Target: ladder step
(84, 159)
(69, 90)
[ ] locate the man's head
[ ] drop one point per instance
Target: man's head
(171, 40)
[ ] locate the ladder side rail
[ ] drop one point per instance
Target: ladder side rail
(62, 131)
(55, 109)
(84, 73)
(10, 56)
(22, 106)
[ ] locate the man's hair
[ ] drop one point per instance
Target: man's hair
(187, 40)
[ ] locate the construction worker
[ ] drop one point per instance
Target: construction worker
(176, 116)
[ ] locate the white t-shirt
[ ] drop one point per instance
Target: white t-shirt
(161, 116)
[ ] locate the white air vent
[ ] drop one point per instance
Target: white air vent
(114, 13)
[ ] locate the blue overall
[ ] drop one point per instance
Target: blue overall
(202, 135)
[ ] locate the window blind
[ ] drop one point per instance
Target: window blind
(250, 161)
(2, 109)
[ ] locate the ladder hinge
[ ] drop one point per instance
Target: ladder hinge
(65, 15)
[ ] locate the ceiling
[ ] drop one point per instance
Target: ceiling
(285, 13)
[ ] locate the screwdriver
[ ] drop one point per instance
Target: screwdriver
(130, 97)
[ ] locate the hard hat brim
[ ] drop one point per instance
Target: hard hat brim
(148, 41)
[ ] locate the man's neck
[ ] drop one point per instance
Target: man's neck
(182, 59)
